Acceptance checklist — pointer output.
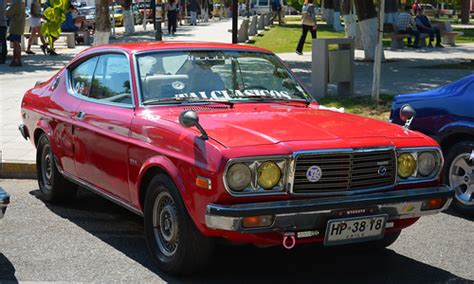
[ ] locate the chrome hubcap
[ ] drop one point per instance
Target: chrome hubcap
(461, 178)
(165, 224)
(47, 166)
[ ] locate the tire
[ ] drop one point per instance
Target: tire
(52, 185)
(456, 174)
(174, 241)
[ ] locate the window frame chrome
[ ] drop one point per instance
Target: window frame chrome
(70, 90)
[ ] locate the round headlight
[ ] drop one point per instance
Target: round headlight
(406, 165)
(426, 163)
(238, 177)
(268, 175)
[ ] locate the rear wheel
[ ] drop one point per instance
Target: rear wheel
(173, 239)
(459, 175)
(53, 186)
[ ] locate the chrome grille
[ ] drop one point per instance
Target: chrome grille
(343, 171)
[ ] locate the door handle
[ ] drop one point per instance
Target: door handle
(80, 115)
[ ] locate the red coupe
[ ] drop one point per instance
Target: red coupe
(216, 141)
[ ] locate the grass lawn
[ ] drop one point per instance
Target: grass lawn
(285, 38)
(361, 105)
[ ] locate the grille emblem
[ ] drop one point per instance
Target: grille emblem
(382, 171)
(314, 174)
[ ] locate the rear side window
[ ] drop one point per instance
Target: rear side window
(81, 77)
(111, 81)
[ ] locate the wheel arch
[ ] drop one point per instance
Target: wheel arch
(451, 135)
(153, 167)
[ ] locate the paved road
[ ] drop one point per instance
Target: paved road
(95, 240)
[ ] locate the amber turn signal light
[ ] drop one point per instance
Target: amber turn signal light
(203, 182)
(433, 203)
(257, 221)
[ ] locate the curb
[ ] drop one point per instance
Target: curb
(18, 169)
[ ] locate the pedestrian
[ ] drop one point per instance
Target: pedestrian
(406, 25)
(35, 9)
(276, 10)
(17, 15)
(424, 26)
(308, 24)
(193, 10)
(3, 32)
(171, 9)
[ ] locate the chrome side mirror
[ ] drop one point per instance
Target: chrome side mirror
(190, 118)
(407, 113)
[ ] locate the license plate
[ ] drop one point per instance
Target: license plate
(354, 230)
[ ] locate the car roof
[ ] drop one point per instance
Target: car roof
(133, 47)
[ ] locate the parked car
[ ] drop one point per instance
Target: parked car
(220, 141)
(4, 201)
(291, 11)
(430, 10)
(116, 16)
(89, 14)
(447, 115)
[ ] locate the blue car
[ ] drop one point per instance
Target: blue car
(447, 115)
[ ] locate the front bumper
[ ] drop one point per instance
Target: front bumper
(310, 214)
(4, 201)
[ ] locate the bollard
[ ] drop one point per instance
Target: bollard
(261, 23)
(253, 26)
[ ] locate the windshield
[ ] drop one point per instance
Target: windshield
(216, 75)
(87, 11)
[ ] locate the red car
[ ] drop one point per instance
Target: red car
(217, 141)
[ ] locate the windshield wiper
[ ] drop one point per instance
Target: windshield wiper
(181, 100)
(269, 99)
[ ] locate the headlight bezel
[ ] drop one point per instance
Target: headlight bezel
(416, 177)
(254, 189)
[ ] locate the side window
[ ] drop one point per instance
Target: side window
(111, 82)
(81, 77)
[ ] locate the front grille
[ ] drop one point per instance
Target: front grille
(343, 171)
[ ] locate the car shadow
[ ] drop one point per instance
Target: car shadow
(246, 263)
(7, 270)
(453, 212)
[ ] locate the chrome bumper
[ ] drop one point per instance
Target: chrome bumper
(4, 201)
(310, 214)
(22, 129)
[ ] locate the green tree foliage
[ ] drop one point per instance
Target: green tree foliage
(55, 16)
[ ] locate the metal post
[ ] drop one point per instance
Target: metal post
(235, 17)
(158, 31)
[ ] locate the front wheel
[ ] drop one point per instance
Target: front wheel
(459, 174)
(173, 239)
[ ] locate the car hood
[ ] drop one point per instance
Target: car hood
(240, 127)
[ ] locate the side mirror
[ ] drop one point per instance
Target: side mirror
(190, 118)
(407, 113)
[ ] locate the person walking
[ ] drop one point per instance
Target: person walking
(276, 11)
(35, 9)
(308, 24)
(193, 10)
(17, 15)
(3, 32)
(172, 14)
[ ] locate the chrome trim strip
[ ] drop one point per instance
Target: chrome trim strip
(284, 172)
(415, 180)
(295, 155)
(86, 57)
(97, 191)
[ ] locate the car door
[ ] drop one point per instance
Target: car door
(103, 127)
(65, 107)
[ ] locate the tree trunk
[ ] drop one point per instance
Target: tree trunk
(347, 10)
(378, 55)
(102, 23)
(465, 11)
(128, 19)
(368, 26)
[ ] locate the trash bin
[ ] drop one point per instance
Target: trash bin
(332, 63)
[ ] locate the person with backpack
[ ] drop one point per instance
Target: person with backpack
(308, 24)
(276, 11)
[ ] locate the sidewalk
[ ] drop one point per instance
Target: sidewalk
(405, 71)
